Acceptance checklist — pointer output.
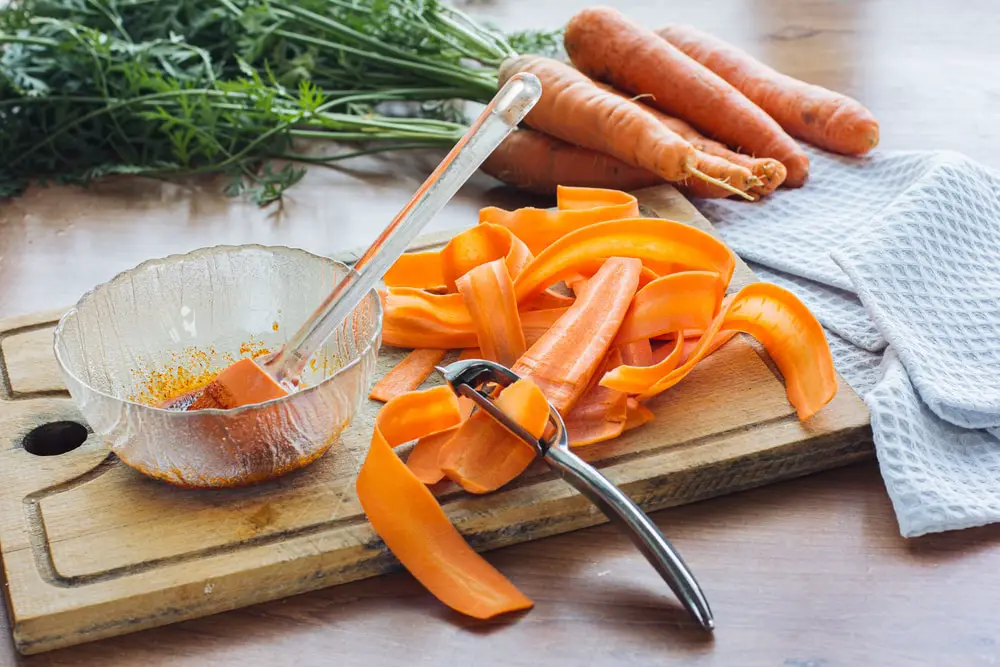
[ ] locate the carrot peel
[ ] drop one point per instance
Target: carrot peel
(407, 375)
(410, 521)
(488, 293)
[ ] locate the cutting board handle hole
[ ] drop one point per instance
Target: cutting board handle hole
(55, 438)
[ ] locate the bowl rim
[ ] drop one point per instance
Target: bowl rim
(209, 250)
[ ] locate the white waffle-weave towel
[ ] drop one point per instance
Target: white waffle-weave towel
(900, 249)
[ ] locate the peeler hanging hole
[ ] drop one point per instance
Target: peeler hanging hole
(54, 438)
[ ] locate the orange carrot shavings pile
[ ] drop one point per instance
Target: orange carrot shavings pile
(597, 310)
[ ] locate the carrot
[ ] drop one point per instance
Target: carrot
(819, 116)
(565, 358)
(677, 301)
(637, 353)
(407, 375)
(536, 162)
(534, 323)
(488, 293)
(423, 458)
(600, 415)
(416, 269)
(573, 108)
(720, 339)
(770, 172)
(478, 245)
(607, 46)
(664, 246)
(636, 414)
(410, 521)
(438, 270)
(414, 318)
(538, 228)
(470, 353)
(547, 300)
(484, 456)
(780, 322)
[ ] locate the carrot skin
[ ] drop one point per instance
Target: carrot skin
(822, 117)
(606, 45)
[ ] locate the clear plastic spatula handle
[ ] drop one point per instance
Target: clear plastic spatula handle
(511, 104)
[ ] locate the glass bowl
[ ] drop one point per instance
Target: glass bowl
(172, 323)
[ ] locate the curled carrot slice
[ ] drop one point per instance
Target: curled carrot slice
(479, 245)
(565, 358)
(417, 319)
(685, 300)
(481, 469)
(410, 521)
(416, 269)
(636, 414)
(601, 413)
(423, 458)
(578, 207)
(438, 270)
(546, 300)
(562, 363)
(663, 246)
(637, 353)
(407, 375)
(781, 323)
(488, 293)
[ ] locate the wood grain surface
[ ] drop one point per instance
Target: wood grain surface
(92, 550)
(810, 572)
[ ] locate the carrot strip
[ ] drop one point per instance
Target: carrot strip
(470, 353)
(496, 456)
(562, 363)
(535, 323)
(407, 375)
(423, 458)
(547, 300)
(781, 323)
(488, 293)
(410, 521)
(636, 414)
(416, 269)
(720, 339)
(601, 413)
(637, 353)
(479, 245)
(664, 246)
(417, 319)
(577, 207)
(686, 300)
(565, 358)
(674, 354)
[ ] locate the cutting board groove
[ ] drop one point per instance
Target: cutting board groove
(91, 549)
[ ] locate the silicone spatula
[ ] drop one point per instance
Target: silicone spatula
(248, 381)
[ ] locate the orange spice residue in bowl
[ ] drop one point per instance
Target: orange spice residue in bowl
(187, 371)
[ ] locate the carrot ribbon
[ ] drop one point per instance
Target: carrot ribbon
(408, 518)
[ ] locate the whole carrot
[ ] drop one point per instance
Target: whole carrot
(768, 171)
(573, 108)
(606, 45)
(812, 113)
(535, 162)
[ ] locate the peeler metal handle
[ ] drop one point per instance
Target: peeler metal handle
(465, 378)
(620, 509)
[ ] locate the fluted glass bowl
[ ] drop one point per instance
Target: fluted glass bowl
(172, 323)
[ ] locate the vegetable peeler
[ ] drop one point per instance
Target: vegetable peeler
(477, 379)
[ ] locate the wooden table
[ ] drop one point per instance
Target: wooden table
(809, 572)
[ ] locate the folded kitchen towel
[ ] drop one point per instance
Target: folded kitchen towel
(900, 248)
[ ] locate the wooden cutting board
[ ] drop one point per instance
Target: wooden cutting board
(92, 549)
